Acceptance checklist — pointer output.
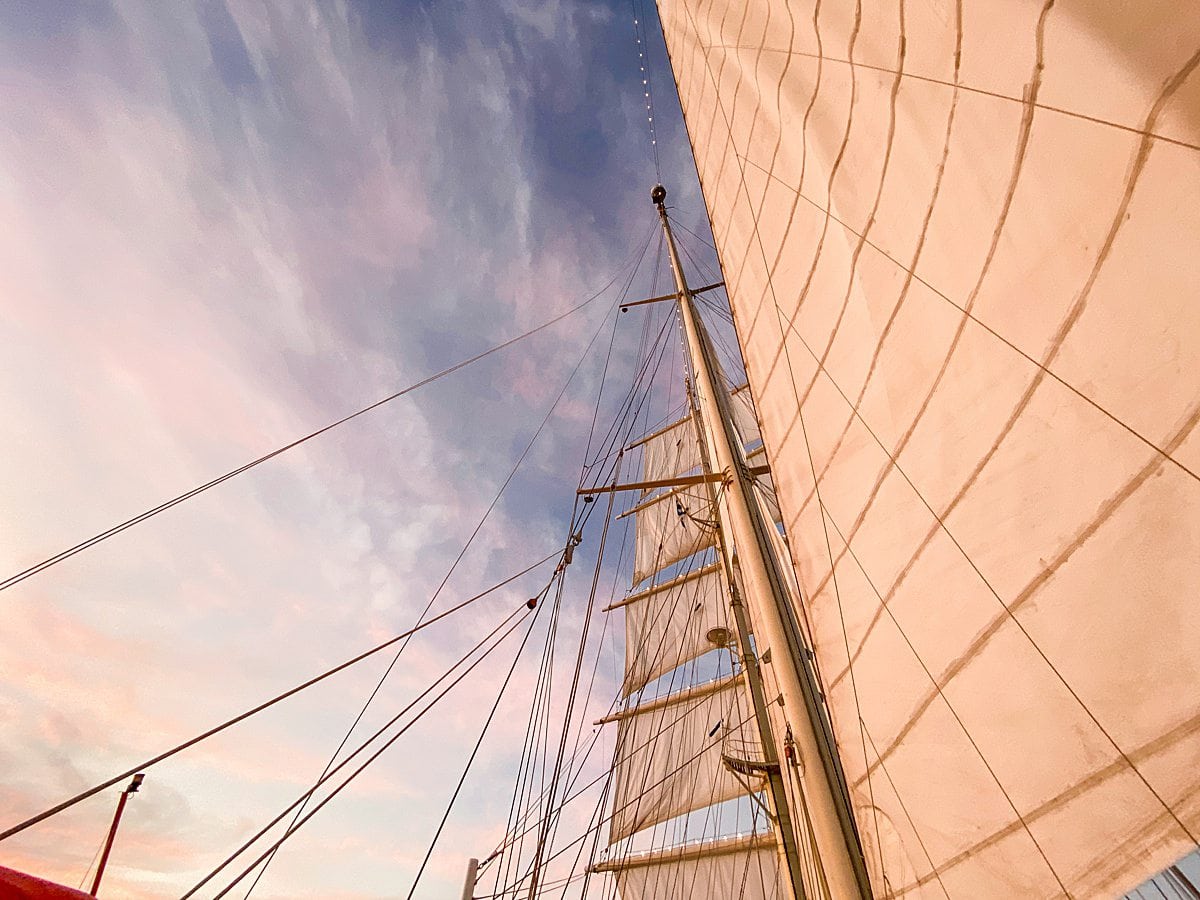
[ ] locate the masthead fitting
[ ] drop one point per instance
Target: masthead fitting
(658, 194)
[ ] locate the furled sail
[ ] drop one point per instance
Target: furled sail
(668, 759)
(669, 624)
(958, 242)
(744, 867)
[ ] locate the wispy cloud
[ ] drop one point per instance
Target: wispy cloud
(222, 225)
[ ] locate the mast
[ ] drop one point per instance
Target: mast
(834, 832)
(112, 831)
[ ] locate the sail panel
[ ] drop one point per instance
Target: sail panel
(672, 452)
(985, 456)
(672, 527)
(668, 759)
(668, 628)
(742, 407)
(746, 874)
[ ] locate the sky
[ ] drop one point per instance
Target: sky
(224, 224)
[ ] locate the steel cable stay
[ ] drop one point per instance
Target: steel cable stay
(471, 759)
(523, 788)
(608, 356)
(538, 721)
(676, 673)
(630, 411)
(523, 817)
(562, 745)
(537, 726)
(454, 565)
(575, 773)
(644, 354)
(549, 800)
(63, 555)
(328, 775)
(241, 717)
(374, 756)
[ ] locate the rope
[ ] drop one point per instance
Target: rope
(374, 756)
(471, 759)
(453, 566)
(63, 555)
(179, 748)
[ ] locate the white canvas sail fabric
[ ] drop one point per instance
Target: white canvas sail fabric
(668, 759)
(671, 527)
(675, 450)
(958, 240)
(745, 875)
(668, 626)
(672, 452)
(742, 407)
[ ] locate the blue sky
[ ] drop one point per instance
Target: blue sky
(225, 224)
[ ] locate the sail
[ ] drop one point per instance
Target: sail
(744, 420)
(958, 248)
(671, 452)
(743, 867)
(669, 527)
(675, 449)
(669, 624)
(668, 758)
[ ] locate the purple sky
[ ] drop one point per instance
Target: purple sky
(228, 223)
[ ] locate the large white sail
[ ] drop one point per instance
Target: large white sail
(959, 244)
(671, 526)
(668, 759)
(669, 624)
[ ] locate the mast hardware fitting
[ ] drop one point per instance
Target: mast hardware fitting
(682, 481)
(652, 485)
(708, 287)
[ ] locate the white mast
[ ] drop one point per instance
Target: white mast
(834, 831)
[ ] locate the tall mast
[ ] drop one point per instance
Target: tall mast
(834, 832)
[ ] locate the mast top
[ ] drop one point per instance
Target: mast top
(658, 194)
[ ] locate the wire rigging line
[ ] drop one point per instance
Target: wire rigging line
(574, 691)
(63, 555)
(607, 775)
(453, 567)
(608, 357)
(241, 717)
(374, 756)
(560, 574)
(326, 776)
